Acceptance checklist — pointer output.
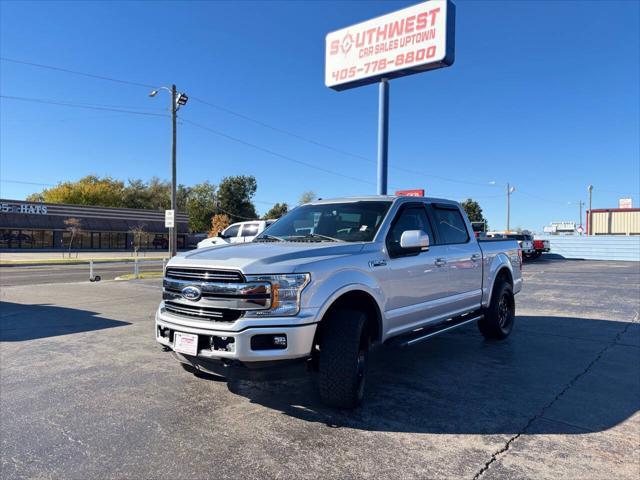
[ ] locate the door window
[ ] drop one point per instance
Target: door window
(451, 226)
(410, 218)
(232, 231)
(249, 230)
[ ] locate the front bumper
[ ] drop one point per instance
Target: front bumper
(299, 331)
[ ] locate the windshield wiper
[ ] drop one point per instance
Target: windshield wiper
(270, 237)
(315, 235)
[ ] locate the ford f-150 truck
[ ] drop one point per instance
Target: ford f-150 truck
(329, 281)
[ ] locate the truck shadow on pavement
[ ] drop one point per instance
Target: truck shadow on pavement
(556, 375)
(20, 322)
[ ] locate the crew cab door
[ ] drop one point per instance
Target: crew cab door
(415, 283)
(463, 256)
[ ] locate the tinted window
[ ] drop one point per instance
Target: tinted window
(410, 218)
(232, 231)
(451, 225)
(250, 230)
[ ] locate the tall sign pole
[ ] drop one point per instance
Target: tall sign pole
(408, 41)
(383, 136)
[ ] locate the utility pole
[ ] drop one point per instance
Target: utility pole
(589, 216)
(580, 205)
(510, 190)
(173, 231)
(177, 100)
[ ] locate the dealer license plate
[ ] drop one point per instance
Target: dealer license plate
(186, 343)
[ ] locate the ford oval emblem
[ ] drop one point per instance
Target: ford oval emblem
(191, 293)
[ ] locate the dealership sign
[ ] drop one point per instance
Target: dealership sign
(408, 41)
(625, 203)
(410, 193)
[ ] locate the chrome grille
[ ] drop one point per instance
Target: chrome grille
(203, 274)
(224, 294)
(203, 313)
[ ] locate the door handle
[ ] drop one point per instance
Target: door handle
(475, 257)
(440, 262)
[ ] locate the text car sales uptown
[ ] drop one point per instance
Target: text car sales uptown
(411, 30)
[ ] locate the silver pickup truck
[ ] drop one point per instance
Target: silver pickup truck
(330, 280)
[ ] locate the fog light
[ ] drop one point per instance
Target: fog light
(269, 342)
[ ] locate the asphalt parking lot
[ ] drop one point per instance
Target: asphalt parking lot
(85, 392)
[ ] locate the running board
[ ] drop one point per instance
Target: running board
(421, 334)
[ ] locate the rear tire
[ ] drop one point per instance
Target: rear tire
(499, 317)
(342, 363)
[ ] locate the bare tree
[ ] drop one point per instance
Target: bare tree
(137, 233)
(74, 226)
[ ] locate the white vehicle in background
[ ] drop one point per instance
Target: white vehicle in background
(240, 232)
(525, 241)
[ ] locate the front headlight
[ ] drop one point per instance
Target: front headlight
(285, 294)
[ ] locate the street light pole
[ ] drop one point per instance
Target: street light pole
(589, 216)
(510, 190)
(580, 205)
(177, 100)
(173, 231)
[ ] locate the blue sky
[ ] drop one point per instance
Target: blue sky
(542, 94)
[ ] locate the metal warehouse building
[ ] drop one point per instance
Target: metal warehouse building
(614, 221)
(28, 225)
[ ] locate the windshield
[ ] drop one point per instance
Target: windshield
(346, 222)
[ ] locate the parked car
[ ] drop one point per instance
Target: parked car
(331, 280)
(240, 232)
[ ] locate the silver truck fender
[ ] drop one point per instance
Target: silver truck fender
(349, 281)
(499, 262)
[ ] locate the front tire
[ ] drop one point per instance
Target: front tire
(499, 317)
(342, 363)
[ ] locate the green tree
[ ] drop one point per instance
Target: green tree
(474, 211)
(234, 197)
(89, 190)
(277, 211)
(307, 197)
(201, 206)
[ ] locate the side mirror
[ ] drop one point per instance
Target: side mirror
(221, 235)
(414, 241)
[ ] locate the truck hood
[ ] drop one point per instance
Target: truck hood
(272, 257)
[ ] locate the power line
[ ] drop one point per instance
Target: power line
(75, 72)
(247, 118)
(329, 147)
(114, 108)
(275, 154)
(22, 182)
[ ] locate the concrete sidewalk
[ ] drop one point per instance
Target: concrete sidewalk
(85, 255)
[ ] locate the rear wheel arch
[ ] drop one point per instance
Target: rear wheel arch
(503, 275)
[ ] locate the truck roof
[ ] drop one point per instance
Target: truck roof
(388, 198)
